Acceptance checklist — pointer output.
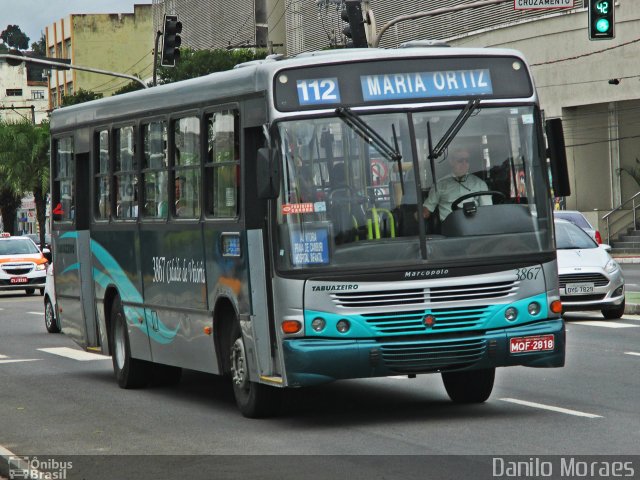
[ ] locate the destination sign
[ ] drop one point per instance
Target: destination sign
(310, 246)
(406, 80)
(398, 86)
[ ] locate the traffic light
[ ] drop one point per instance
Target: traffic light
(601, 19)
(171, 41)
(354, 31)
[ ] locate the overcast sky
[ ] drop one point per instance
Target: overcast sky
(32, 16)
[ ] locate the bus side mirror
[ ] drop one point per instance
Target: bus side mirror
(268, 174)
(558, 158)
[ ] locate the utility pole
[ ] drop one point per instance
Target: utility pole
(376, 41)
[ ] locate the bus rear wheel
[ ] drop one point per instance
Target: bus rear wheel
(472, 386)
(130, 372)
(254, 400)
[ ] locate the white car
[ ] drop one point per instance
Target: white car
(51, 319)
(589, 278)
(578, 219)
(22, 265)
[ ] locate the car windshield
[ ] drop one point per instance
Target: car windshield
(353, 189)
(575, 218)
(17, 246)
(569, 236)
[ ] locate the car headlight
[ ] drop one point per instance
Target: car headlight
(611, 266)
(42, 266)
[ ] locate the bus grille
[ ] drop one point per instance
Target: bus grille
(598, 279)
(422, 296)
(424, 357)
(414, 321)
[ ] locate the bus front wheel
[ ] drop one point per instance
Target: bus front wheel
(130, 372)
(473, 386)
(254, 400)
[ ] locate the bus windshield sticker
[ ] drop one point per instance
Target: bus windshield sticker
(293, 208)
(310, 246)
(318, 91)
(426, 84)
(231, 245)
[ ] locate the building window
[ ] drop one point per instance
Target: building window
(14, 92)
(222, 167)
(154, 170)
(67, 48)
(187, 167)
(37, 94)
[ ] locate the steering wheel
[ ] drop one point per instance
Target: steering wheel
(456, 203)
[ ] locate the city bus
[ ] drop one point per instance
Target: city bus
(266, 224)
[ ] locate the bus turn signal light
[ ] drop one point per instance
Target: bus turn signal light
(556, 306)
(291, 326)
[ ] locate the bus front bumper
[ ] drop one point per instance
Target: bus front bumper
(311, 361)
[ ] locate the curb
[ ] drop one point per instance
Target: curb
(632, 309)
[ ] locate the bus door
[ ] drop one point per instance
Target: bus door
(71, 251)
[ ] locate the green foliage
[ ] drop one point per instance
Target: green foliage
(197, 63)
(80, 96)
(24, 165)
(129, 87)
(40, 47)
(14, 37)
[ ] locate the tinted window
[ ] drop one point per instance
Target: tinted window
(568, 236)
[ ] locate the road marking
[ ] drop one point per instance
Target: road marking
(16, 360)
(550, 407)
(600, 323)
(632, 353)
(74, 354)
(35, 313)
(3, 356)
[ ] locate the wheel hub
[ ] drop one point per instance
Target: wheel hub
(238, 364)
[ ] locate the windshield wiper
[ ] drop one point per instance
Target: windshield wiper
(369, 135)
(453, 130)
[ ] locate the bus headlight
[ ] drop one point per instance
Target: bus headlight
(511, 314)
(534, 308)
(318, 324)
(343, 326)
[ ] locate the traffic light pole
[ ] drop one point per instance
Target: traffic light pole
(67, 66)
(376, 41)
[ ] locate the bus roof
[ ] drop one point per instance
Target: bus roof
(245, 79)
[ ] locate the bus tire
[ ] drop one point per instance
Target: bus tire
(50, 320)
(130, 372)
(254, 400)
(473, 386)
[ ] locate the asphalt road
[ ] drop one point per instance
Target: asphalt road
(55, 404)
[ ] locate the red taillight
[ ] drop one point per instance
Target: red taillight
(598, 237)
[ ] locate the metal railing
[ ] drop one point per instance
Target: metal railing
(634, 205)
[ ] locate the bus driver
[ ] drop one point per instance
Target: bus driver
(460, 182)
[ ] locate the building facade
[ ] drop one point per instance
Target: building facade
(23, 94)
(117, 42)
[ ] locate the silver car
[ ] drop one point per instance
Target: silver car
(578, 219)
(589, 278)
(51, 320)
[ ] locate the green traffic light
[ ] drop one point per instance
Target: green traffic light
(602, 25)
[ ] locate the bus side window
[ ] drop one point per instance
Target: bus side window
(126, 178)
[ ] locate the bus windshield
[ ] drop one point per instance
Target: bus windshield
(355, 193)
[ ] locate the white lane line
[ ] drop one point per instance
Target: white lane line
(3, 356)
(35, 313)
(599, 323)
(550, 407)
(17, 360)
(637, 354)
(74, 354)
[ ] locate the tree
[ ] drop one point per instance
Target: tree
(129, 87)
(80, 96)
(197, 63)
(15, 38)
(24, 165)
(39, 48)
